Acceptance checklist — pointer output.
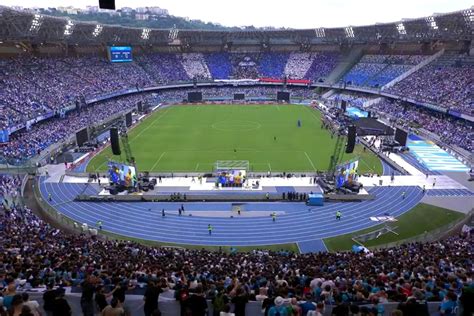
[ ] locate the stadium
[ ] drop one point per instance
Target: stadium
(323, 171)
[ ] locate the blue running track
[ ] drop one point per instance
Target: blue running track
(298, 224)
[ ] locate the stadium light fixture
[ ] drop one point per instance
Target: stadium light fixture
(349, 32)
(401, 29)
(319, 32)
(145, 34)
(98, 29)
(36, 23)
(173, 34)
(468, 16)
(68, 28)
(431, 23)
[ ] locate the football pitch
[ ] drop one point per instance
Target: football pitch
(191, 138)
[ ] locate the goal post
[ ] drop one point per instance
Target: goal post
(225, 165)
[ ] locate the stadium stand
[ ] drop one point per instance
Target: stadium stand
(195, 66)
(163, 68)
(377, 70)
(272, 65)
(219, 65)
(436, 272)
(447, 82)
(38, 253)
(452, 131)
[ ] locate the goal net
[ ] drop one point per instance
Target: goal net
(226, 165)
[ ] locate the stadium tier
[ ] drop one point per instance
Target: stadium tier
(236, 171)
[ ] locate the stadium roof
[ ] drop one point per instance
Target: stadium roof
(37, 28)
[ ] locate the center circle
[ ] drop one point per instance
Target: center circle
(234, 126)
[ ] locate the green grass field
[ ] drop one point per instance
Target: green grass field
(422, 218)
(192, 138)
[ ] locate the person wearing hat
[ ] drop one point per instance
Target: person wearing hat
(279, 308)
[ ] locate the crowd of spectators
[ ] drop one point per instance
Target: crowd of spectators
(163, 68)
(31, 86)
(272, 65)
(354, 99)
(448, 84)
(451, 131)
(36, 255)
(312, 66)
(9, 185)
(323, 64)
(28, 143)
(195, 66)
(245, 65)
(219, 65)
(377, 70)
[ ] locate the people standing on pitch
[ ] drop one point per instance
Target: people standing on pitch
(274, 216)
(338, 215)
(209, 229)
(99, 224)
(434, 182)
(403, 194)
(299, 123)
(424, 189)
(163, 213)
(179, 211)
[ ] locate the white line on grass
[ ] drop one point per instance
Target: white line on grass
(197, 166)
(156, 163)
(310, 161)
(270, 166)
(151, 124)
(312, 113)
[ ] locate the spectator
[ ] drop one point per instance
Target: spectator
(114, 309)
(151, 297)
(61, 306)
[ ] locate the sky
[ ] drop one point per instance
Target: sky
(281, 13)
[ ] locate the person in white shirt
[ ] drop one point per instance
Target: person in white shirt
(226, 311)
(262, 294)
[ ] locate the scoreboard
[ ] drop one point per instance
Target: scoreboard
(119, 54)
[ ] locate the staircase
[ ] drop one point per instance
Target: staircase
(345, 65)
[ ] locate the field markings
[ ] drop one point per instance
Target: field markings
(197, 166)
(156, 163)
(98, 167)
(270, 166)
(310, 161)
(151, 124)
(278, 107)
(312, 113)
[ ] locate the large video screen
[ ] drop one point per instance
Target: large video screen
(82, 136)
(122, 174)
(120, 54)
(347, 173)
(231, 177)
